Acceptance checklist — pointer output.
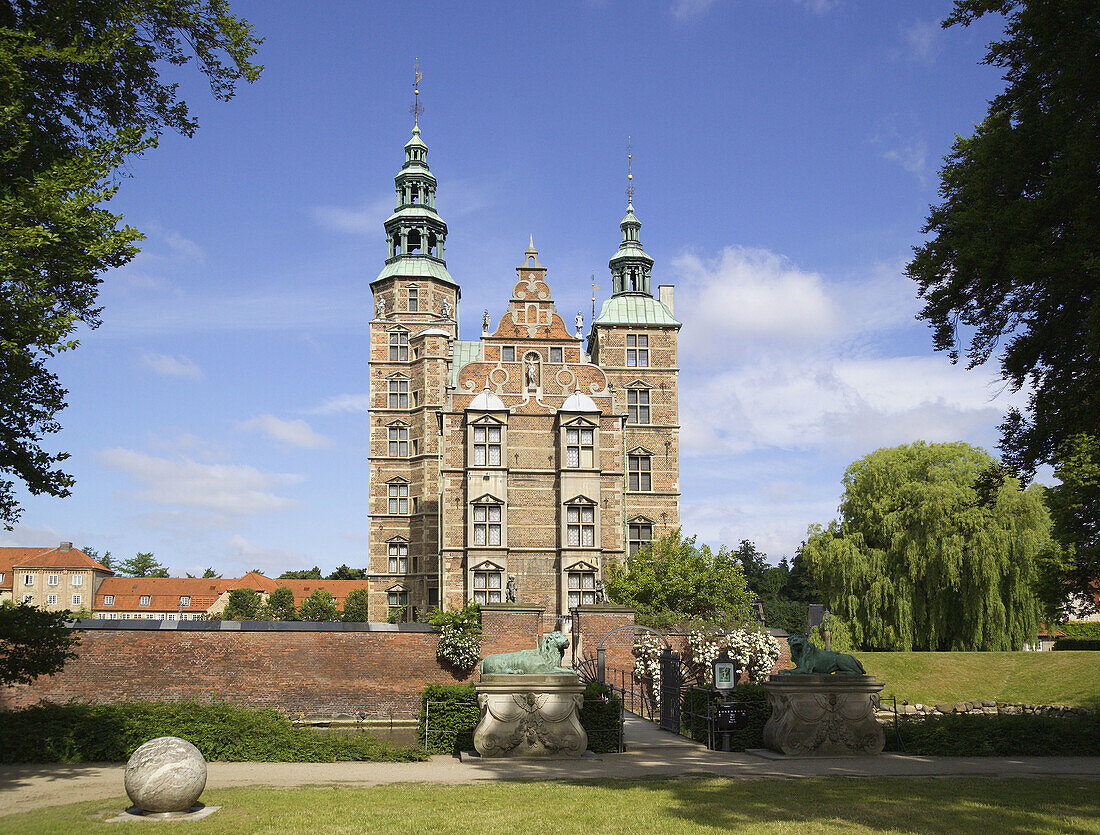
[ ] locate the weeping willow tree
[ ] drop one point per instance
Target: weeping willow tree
(936, 549)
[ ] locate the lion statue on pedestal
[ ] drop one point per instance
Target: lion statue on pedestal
(809, 660)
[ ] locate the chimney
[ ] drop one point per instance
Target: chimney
(664, 295)
(65, 546)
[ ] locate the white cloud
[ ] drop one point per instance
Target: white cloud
(343, 403)
(293, 432)
(272, 561)
(234, 489)
(692, 9)
(912, 156)
(364, 218)
(922, 39)
(169, 366)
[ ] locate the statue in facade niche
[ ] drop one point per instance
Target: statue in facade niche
(510, 589)
(580, 322)
(380, 307)
(532, 374)
(446, 309)
(485, 322)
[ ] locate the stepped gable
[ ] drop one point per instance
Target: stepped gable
(531, 313)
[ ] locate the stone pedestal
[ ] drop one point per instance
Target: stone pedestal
(530, 716)
(823, 715)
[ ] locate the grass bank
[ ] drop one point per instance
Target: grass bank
(823, 805)
(1064, 678)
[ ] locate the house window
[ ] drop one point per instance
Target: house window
(185, 601)
(143, 600)
(126, 616)
(487, 586)
(51, 599)
(579, 447)
(582, 587)
(399, 393)
(637, 350)
(555, 355)
(638, 472)
(77, 599)
(399, 498)
(112, 616)
(487, 446)
(638, 534)
(399, 557)
(28, 598)
(51, 579)
(28, 579)
(580, 526)
(108, 600)
(399, 441)
(637, 405)
(487, 524)
(414, 300)
(399, 346)
(76, 579)
(507, 353)
(2, 575)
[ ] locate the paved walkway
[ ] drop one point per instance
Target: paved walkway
(651, 752)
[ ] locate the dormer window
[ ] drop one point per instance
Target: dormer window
(580, 447)
(108, 600)
(487, 446)
(185, 601)
(143, 600)
(580, 523)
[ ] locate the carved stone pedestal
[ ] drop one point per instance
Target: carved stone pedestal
(823, 715)
(530, 716)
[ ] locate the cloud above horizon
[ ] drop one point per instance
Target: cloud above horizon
(295, 433)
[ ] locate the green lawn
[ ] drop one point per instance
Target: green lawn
(833, 805)
(1063, 678)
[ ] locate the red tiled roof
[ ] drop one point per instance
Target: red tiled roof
(164, 593)
(16, 558)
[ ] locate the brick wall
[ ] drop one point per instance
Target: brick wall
(506, 628)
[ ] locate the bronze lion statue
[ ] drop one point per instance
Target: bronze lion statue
(546, 660)
(809, 660)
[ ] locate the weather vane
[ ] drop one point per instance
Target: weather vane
(416, 108)
(629, 172)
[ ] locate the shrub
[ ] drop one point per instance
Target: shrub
(280, 605)
(452, 713)
(1092, 644)
(698, 710)
(459, 636)
(1081, 629)
(355, 607)
(1026, 735)
(788, 615)
(319, 606)
(600, 716)
(244, 604)
(80, 732)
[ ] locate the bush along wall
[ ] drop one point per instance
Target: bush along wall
(965, 735)
(79, 732)
(451, 713)
(698, 706)
(1081, 629)
(1088, 644)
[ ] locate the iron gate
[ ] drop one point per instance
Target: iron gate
(672, 683)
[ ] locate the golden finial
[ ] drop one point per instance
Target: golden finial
(417, 108)
(629, 173)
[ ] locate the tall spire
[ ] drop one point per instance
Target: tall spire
(415, 233)
(630, 265)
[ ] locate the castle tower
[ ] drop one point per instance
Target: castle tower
(633, 339)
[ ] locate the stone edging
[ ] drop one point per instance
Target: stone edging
(984, 707)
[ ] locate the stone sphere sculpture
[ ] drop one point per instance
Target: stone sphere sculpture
(166, 774)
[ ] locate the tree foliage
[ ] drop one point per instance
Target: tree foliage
(922, 559)
(243, 604)
(33, 642)
(672, 580)
(355, 607)
(307, 574)
(344, 572)
(280, 605)
(81, 91)
(319, 606)
(1075, 511)
(142, 565)
(1015, 249)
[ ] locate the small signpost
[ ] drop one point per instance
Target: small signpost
(729, 715)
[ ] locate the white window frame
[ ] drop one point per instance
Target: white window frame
(637, 350)
(580, 447)
(488, 524)
(487, 445)
(74, 580)
(487, 583)
(397, 556)
(144, 600)
(580, 585)
(581, 523)
(28, 580)
(53, 580)
(108, 600)
(77, 599)
(28, 598)
(185, 600)
(51, 599)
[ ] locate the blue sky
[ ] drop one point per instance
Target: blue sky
(785, 155)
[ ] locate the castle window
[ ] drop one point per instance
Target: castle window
(638, 534)
(507, 353)
(638, 473)
(580, 526)
(555, 355)
(487, 586)
(398, 599)
(28, 598)
(582, 588)
(486, 446)
(637, 405)
(398, 557)
(414, 294)
(637, 350)
(399, 393)
(28, 579)
(579, 447)
(399, 441)
(488, 522)
(399, 498)
(399, 346)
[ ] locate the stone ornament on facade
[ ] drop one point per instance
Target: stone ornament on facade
(165, 776)
(486, 323)
(446, 311)
(510, 589)
(380, 308)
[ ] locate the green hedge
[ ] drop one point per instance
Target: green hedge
(1081, 629)
(79, 732)
(1092, 644)
(1021, 735)
(453, 715)
(693, 717)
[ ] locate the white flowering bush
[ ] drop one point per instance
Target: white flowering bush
(647, 662)
(459, 647)
(756, 651)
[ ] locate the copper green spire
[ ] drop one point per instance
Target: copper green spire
(630, 265)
